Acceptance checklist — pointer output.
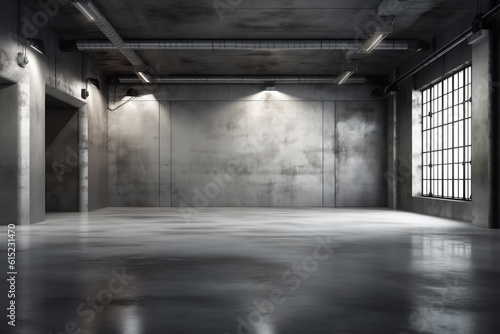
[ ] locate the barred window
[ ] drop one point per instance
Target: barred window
(446, 138)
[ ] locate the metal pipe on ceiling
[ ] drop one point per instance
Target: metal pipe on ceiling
(444, 50)
(93, 14)
(241, 80)
(92, 45)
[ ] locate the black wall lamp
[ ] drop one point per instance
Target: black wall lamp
(94, 82)
(35, 44)
(131, 93)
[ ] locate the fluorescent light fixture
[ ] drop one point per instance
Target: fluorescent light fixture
(373, 42)
(347, 70)
(378, 36)
(145, 77)
(87, 9)
(37, 45)
(342, 78)
(270, 86)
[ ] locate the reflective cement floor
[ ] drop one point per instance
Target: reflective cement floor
(254, 270)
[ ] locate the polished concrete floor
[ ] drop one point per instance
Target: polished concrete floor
(255, 270)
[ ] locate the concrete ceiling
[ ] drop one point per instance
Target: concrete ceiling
(254, 19)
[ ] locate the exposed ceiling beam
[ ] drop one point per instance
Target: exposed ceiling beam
(94, 15)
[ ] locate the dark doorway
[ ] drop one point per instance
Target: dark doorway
(61, 156)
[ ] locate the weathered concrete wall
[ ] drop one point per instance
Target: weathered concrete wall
(61, 167)
(361, 153)
(134, 154)
(271, 151)
(60, 75)
(238, 146)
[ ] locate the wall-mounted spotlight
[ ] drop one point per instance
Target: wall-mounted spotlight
(94, 82)
(145, 77)
(378, 36)
(33, 43)
(131, 93)
(391, 89)
(87, 8)
(271, 86)
(347, 71)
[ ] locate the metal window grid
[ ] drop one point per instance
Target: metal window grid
(446, 138)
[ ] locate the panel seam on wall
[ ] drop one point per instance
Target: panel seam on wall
(171, 151)
(159, 154)
(323, 151)
(335, 145)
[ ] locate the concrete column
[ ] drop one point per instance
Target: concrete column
(83, 157)
(483, 144)
(36, 144)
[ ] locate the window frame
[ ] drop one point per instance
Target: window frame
(446, 139)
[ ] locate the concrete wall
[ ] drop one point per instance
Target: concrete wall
(60, 75)
(405, 167)
(61, 157)
(361, 152)
(228, 145)
(97, 145)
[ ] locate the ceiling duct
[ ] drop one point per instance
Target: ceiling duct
(92, 45)
(241, 80)
(482, 20)
(94, 15)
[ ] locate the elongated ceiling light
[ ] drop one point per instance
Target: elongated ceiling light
(378, 36)
(86, 9)
(145, 77)
(342, 78)
(347, 70)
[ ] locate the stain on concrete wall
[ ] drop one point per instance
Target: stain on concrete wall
(263, 153)
(361, 153)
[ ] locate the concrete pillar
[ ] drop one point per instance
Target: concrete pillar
(483, 141)
(36, 144)
(83, 157)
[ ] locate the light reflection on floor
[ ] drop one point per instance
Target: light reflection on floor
(256, 270)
